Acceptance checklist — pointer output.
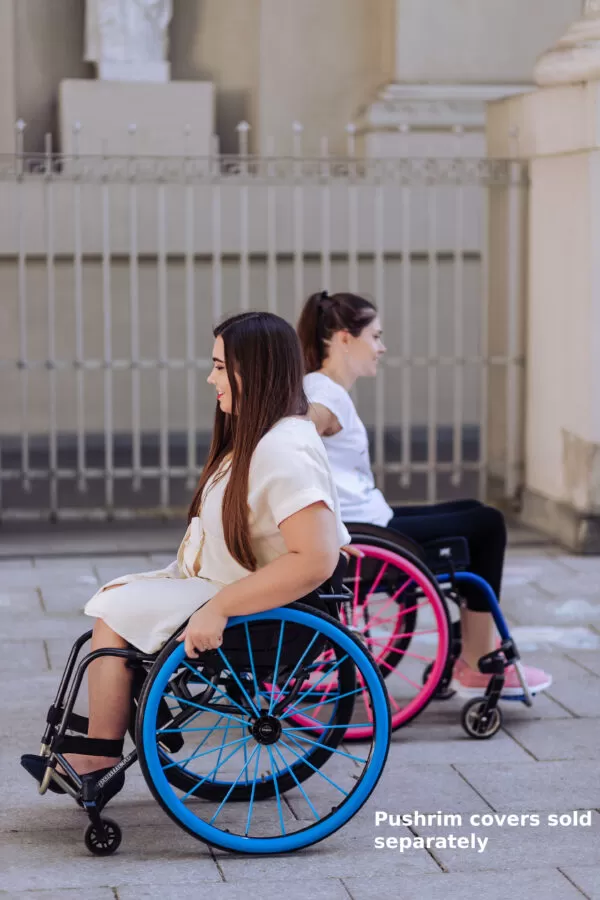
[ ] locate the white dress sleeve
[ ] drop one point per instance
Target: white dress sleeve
(288, 478)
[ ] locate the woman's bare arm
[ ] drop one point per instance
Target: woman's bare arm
(325, 422)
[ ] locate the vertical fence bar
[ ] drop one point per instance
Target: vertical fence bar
(271, 227)
(380, 300)
(134, 313)
(243, 128)
(107, 340)
(298, 218)
(352, 211)
(457, 428)
(406, 477)
(79, 324)
(325, 216)
(217, 249)
(163, 342)
(513, 264)
(51, 298)
(23, 362)
(484, 338)
(432, 342)
(190, 327)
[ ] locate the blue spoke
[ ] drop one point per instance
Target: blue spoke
(212, 772)
(310, 765)
(217, 688)
(324, 675)
(275, 782)
(220, 748)
(297, 666)
(322, 702)
(238, 682)
(198, 747)
(322, 727)
(223, 744)
(245, 753)
(301, 737)
(298, 785)
(182, 729)
(253, 791)
(275, 673)
(251, 658)
(226, 797)
(215, 710)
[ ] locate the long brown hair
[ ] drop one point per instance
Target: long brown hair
(324, 314)
(264, 351)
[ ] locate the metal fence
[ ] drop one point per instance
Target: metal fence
(112, 272)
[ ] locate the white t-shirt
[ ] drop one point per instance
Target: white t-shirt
(348, 454)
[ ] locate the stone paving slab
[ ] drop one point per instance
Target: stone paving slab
(574, 687)
(515, 849)
(553, 786)
(58, 857)
(588, 660)
(101, 893)
(573, 739)
(532, 884)
(426, 744)
(587, 879)
(23, 656)
(331, 889)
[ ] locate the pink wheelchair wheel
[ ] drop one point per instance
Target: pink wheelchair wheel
(399, 612)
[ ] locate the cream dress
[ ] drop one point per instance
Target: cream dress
(288, 471)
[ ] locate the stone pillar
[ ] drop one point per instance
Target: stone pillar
(8, 110)
(450, 59)
(558, 130)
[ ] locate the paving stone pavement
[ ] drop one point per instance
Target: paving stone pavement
(544, 762)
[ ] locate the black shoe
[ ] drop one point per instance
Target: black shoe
(36, 766)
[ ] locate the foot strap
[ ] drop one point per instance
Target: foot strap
(89, 746)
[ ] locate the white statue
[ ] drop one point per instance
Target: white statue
(127, 39)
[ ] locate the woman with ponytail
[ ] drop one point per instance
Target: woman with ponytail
(341, 339)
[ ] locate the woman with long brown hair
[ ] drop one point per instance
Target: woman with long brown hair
(341, 341)
(264, 528)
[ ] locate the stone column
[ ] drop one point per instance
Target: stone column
(558, 130)
(8, 111)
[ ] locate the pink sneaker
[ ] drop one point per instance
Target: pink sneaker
(469, 683)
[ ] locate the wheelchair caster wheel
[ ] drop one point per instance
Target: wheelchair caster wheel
(444, 692)
(475, 724)
(110, 843)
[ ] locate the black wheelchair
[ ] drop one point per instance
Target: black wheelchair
(222, 737)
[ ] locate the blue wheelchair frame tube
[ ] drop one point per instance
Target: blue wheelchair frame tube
(481, 583)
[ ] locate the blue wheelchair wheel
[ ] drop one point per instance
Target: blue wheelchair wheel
(253, 727)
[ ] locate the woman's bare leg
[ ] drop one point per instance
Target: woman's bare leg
(477, 630)
(109, 691)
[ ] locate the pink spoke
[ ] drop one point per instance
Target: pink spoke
(402, 612)
(356, 598)
(401, 674)
(402, 652)
(392, 599)
(376, 582)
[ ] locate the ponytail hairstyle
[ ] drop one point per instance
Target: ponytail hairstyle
(323, 315)
(264, 351)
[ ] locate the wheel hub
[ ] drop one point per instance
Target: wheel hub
(266, 730)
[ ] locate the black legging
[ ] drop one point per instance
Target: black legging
(482, 526)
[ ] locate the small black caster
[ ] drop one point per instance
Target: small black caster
(100, 846)
(476, 724)
(444, 691)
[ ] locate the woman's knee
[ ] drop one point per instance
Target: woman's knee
(493, 522)
(105, 636)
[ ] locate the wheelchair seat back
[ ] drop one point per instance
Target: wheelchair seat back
(445, 555)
